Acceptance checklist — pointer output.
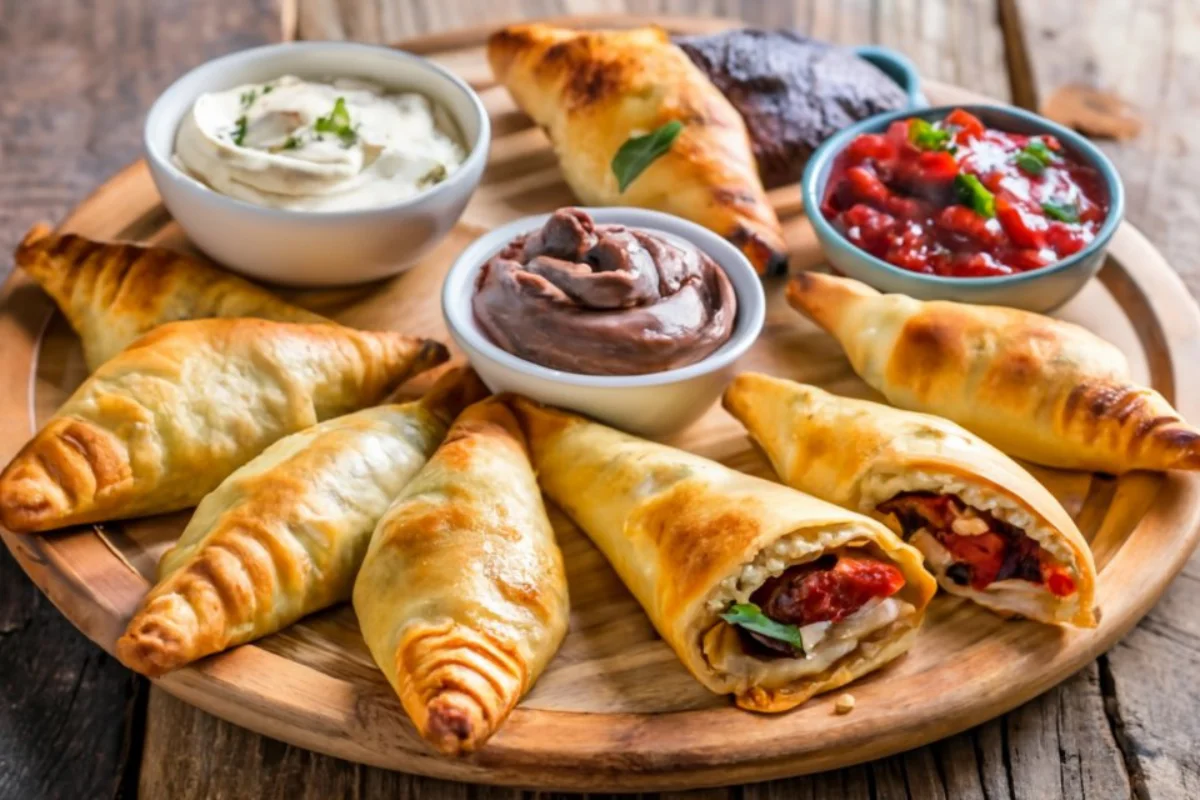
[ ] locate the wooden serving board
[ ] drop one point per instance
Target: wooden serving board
(615, 710)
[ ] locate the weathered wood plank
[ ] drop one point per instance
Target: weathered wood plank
(1145, 51)
(77, 79)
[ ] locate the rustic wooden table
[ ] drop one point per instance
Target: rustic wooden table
(75, 81)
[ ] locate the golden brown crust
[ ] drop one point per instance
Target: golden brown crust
(840, 449)
(1036, 387)
(462, 598)
(593, 90)
(284, 535)
(113, 292)
(677, 528)
(160, 425)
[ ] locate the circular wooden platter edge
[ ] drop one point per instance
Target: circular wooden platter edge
(579, 751)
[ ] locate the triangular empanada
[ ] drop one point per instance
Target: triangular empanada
(164, 422)
(285, 534)
(989, 531)
(594, 90)
(113, 292)
(708, 551)
(1038, 388)
(462, 597)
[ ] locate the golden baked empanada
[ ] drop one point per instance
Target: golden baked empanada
(594, 90)
(164, 422)
(462, 597)
(285, 534)
(763, 592)
(1038, 388)
(113, 292)
(989, 531)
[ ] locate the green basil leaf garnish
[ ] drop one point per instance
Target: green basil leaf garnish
(337, 122)
(1063, 212)
(1035, 157)
(750, 617)
(926, 136)
(640, 152)
(974, 195)
(247, 98)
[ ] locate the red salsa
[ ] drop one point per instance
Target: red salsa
(956, 198)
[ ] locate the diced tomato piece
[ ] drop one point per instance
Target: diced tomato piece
(968, 124)
(908, 207)
(1058, 581)
(1025, 260)
(980, 265)
(962, 221)
(1017, 225)
(869, 228)
(985, 553)
(866, 185)
(937, 166)
(826, 590)
(870, 147)
(1064, 239)
(897, 134)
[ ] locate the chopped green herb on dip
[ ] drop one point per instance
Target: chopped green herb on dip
(317, 146)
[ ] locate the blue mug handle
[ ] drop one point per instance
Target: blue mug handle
(899, 68)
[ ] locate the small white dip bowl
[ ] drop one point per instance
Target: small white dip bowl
(317, 248)
(656, 404)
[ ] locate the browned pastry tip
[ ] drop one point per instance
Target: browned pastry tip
(36, 236)
(457, 684)
(67, 460)
(820, 297)
(152, 646)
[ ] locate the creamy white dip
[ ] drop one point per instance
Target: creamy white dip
(309, 146)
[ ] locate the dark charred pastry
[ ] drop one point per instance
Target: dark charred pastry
(793, 92)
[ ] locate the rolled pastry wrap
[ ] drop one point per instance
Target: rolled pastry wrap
(462, 598)
(284, 535)
(693, 539)
(164, 422)
(113, 292)
(988, 529)
(1038, 388)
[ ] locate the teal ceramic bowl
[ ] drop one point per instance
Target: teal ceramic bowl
(1039, 290)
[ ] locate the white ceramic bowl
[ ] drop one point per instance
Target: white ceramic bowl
(657, 404)
(316, 248)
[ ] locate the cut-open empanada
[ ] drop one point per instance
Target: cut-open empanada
(164, 422)
(113, 292)
(1038, 388)
(988, 530)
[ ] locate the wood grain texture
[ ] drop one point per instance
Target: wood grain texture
(92, 131)
(264, 691)
(1146, 679)
(76, 80)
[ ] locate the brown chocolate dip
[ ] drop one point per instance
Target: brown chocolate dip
(603, 299)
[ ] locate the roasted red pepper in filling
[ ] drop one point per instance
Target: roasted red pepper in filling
(957, 198)
(1003, 552)
(828, 589)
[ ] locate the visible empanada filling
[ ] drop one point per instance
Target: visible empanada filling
(810, 597)
(983, 549)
